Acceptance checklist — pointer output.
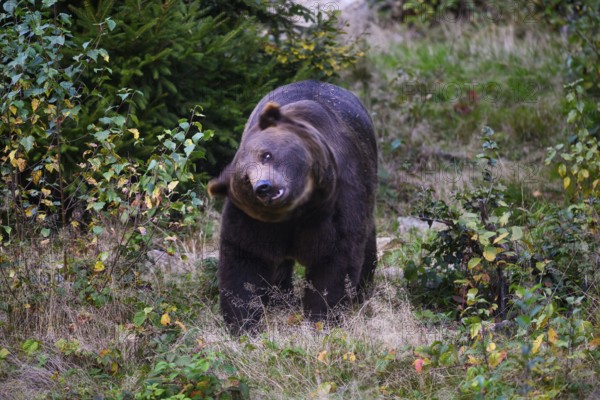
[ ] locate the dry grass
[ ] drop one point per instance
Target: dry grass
(297, 360)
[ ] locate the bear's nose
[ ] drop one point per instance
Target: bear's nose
(263, 188)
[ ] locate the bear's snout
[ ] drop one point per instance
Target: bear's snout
(266, 192)
(263, 188)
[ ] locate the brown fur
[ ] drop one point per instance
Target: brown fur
(301, 187)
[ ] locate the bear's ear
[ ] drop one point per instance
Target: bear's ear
(218, 187)
(269, 116)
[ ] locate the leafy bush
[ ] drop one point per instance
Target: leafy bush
(107, 194)
(482, 249)
(222, 55)
(195, 376)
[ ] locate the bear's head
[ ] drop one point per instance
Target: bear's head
(282, 164)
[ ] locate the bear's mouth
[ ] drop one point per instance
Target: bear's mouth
(272, 199)
(280, 193)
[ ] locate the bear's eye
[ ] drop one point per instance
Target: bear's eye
(266, 156)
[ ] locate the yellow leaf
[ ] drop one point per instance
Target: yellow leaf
(135, 132)
(36, 175)
(496, 358)
(34, 104)
(566, 182)
(562, 170)
(499, 238)
(148, 201)
(349, 357)
(181, 325)
(99, 267)
(595, 342)
(165, 319)
(473, 360)
(50, 109)
(322, 357)
(13, 110)
(490, 253)
(309, 47)
(46, 192)
(583, 174)
(552, 336)
(172, 185)
(51, 167)
(491, 347)
(19, 163)
(537, 343)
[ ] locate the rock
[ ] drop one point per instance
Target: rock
(407, 224)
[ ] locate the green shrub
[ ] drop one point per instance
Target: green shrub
(107, 194)
(222, 55)
(196, 376)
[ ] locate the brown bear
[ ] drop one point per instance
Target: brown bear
(301, 187)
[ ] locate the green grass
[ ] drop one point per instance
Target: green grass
(424, 83)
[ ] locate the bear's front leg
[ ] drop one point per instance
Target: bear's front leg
(331, 285)
(243, 287)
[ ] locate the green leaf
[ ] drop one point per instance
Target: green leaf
(97, 206)
(471, 296)
(27, 142)
(473, 262)
(517, 233)
(139, 318)
(111, 24)
(9, 6)
(474, 329)
(572, 116)
(504, 218)
(30, 346)
(490, 253)
(4, 353)
(102, 135)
